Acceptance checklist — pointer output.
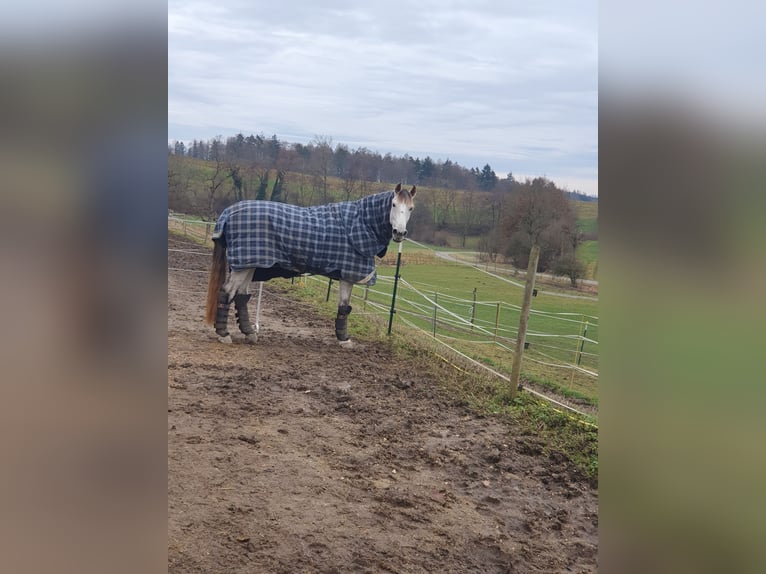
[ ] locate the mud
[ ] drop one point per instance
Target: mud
(297, 455)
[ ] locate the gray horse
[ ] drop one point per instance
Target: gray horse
(260, 240)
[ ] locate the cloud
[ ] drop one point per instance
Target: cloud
(513, 85)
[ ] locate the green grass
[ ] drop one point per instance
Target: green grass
(587, 252)
(587, 222)
(586, 213)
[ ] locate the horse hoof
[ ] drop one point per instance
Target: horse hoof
(225, 340)
(347, 344)
(251, 339)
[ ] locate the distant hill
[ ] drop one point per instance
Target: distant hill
(578, 196)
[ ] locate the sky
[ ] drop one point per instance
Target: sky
(513, 84)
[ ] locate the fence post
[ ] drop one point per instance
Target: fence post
(184, 227)
(396, 283)
(366, 294)
(529, 285)
(329, 286)
(577, 343)
(582, 343)
(473, 308)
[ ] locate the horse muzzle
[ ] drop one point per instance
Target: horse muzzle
(399, 236)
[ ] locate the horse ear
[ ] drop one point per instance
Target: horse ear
(398, 187)
(412, 191)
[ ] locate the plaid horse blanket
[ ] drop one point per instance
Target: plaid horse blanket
(337, 240)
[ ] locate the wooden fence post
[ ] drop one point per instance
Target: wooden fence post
(534, 256)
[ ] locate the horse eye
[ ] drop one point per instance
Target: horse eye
(394, 204)
(410, 209)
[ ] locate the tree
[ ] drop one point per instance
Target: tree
(534, 215)
(489, 247)
(340, 159)
(322, 156)
(566, 263)
(175, 186)
(468, 215)
(534, 210)
(276, 193)
(235, 147)
(219, 175)
(286, 159)
(263, 183)
(487, 178)
(568, 266)
(424, 170)
(236, 180)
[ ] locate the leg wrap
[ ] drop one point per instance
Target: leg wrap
(243, 317)
(341, 332)
(222, 314)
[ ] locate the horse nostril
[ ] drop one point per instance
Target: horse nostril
(404, 233)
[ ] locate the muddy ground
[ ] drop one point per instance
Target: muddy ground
(296, 455)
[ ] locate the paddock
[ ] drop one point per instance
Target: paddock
(296, 455)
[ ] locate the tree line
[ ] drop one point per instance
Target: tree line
(337, 160)
(455, 203)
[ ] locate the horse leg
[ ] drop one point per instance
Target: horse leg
(341, 321)
(240, 308)
(235, 283)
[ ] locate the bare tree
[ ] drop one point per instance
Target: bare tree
(262, 174)
(286, 159)
(218, 177)
(236, 179)
(533, 211)
(350, 175)
(468, 214)
(322, 158)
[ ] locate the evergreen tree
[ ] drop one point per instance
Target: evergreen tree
(487, 178)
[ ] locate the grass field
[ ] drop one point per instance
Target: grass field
(587, 252)
(586, 213)
(587, 222)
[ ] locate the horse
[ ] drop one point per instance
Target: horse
(259, 240)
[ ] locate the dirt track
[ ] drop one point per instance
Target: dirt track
(295, 455)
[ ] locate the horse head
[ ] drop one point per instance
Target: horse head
(401, 209)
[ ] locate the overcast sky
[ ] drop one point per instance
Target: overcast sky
(513, 84)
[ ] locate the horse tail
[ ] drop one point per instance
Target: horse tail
(215, 281)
